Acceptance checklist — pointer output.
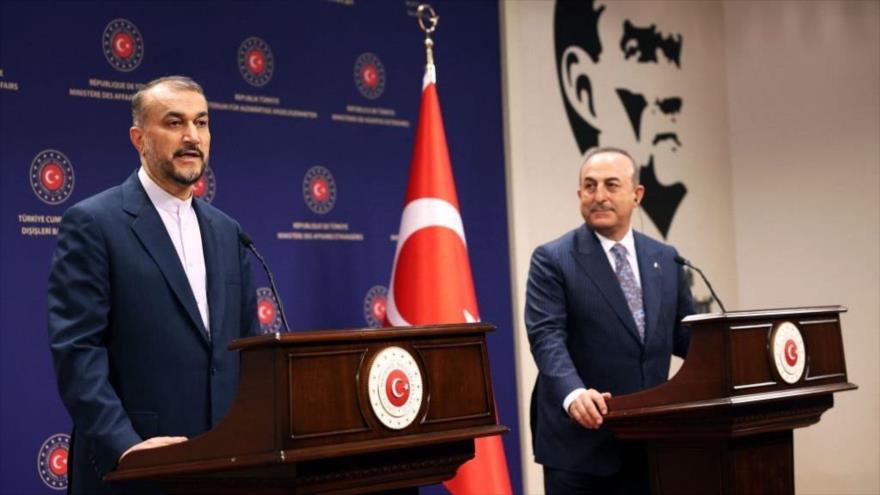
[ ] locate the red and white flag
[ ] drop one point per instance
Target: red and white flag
(431, 279)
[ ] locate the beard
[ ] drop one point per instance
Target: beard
(167, 169)
(165, 166)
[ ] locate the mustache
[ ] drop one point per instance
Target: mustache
(601, 207)
(667, 136)
(188, 150)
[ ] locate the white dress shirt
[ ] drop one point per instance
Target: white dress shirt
(182, 225)
(629, 243)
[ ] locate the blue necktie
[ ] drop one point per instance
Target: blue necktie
(631, 289)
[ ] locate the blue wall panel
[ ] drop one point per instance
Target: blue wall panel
(54, 95)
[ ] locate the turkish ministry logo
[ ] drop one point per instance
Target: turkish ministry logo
(255, 61)
(52, 461)
(51, 176)
(267, 311)
(206, 186)
(374, 306)
(369, 75)
(789, 354)
(319, 190)
(395, 387)
(123, 45)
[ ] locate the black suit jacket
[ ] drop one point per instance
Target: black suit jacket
(132, 356)
(582, 334)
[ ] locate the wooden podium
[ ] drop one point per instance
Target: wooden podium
(723, 424)
(338, 411)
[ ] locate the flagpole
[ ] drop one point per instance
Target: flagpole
(431, 248)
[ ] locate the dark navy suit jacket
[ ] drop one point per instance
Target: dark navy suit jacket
(132, 356)
(582, 334)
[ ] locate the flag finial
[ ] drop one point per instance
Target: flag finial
(428, 20)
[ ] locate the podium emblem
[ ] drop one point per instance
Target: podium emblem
(395, 387)
(789, 353)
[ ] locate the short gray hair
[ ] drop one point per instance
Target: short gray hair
(610, 149)
(176, 82)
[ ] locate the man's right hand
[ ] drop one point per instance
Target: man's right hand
(588, 408)
(152, 443)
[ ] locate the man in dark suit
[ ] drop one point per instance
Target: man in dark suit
(603, 313)
(148, 287)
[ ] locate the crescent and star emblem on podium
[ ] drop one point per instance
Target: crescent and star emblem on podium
(395, 387)
(788, 352)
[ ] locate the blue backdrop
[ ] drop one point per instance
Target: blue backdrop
(314, 90)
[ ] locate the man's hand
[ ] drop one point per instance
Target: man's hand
(588, 408)
(152, 443)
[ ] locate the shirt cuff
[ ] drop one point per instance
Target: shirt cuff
(571, 397)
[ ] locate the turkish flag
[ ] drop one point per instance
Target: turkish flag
(431, 279)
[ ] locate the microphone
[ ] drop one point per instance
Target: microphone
(247, 242)
(682, 261)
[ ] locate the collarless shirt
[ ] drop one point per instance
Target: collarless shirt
(182, 225)
(629, 243)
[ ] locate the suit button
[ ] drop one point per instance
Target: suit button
(213, 371)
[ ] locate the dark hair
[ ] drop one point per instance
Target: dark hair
(611, 149)
(176, 82)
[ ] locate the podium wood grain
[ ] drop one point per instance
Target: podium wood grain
(723, 424)
(301, 421)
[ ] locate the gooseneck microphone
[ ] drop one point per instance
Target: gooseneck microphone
(247, 242)
(682, 261)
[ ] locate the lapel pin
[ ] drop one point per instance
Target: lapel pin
(656, 265)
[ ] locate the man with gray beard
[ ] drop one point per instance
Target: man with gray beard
(148, 287)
